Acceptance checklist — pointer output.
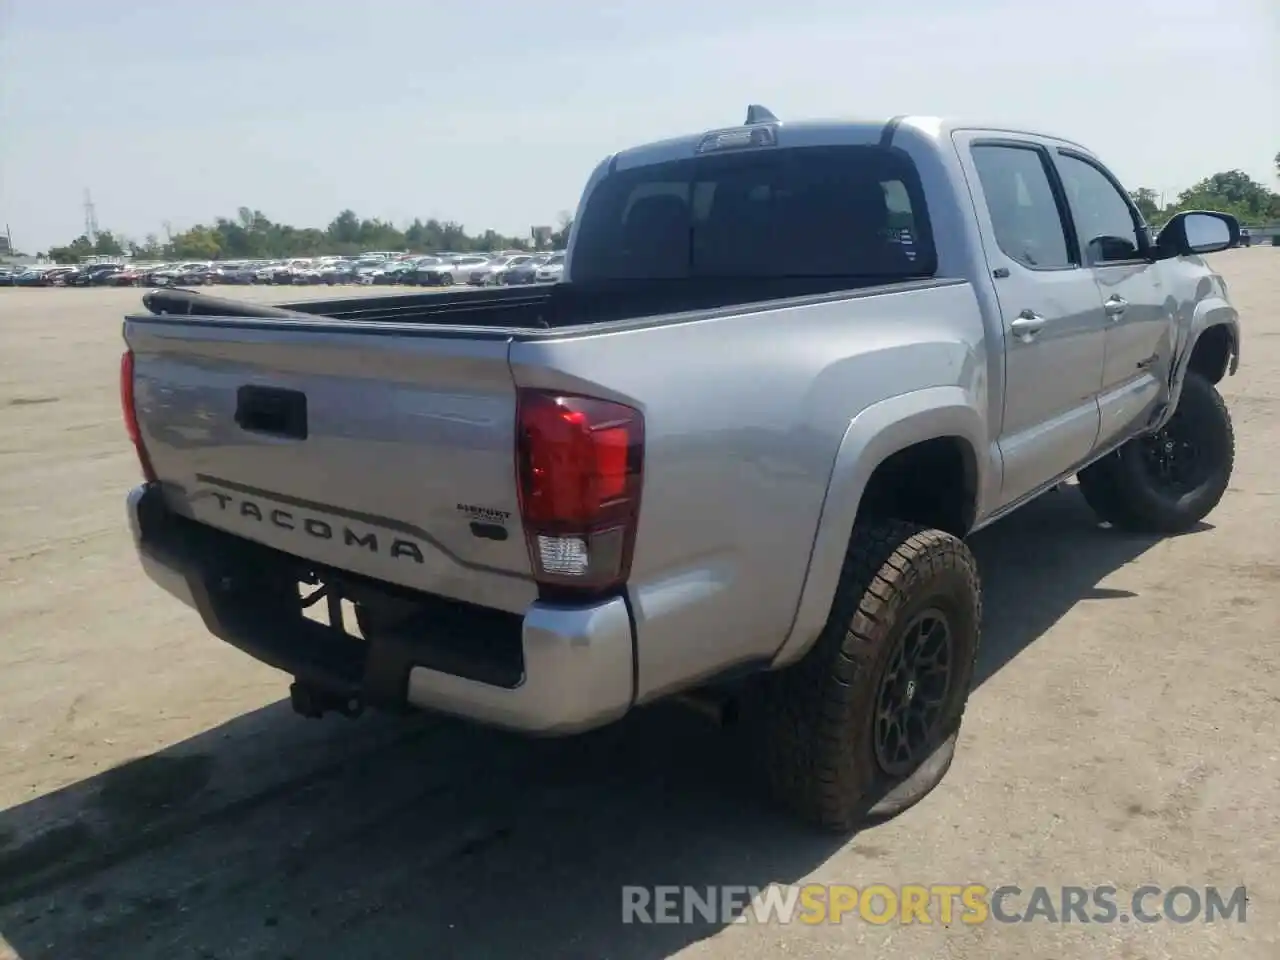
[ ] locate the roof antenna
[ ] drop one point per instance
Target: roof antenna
(759, 114)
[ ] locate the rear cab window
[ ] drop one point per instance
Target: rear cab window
(855, 212)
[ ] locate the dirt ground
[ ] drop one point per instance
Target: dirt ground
(161, 801)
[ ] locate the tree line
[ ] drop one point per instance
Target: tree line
(252, 235)
(1232, 191)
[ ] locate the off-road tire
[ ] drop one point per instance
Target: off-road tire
(1122, 491)
(819, 713)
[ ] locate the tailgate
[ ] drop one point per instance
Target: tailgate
(388, 454)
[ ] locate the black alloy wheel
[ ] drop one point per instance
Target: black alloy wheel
(912, 693)
(1172, 458)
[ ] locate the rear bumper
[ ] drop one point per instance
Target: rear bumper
(575, 664)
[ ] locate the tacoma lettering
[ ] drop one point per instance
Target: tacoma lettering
(397, 548)
(352, 539)
(318, 529)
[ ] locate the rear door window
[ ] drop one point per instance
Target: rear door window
(855, 212)
(1024, 213)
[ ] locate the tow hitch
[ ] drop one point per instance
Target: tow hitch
(306, 699)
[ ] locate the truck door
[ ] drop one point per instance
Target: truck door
(1054, 325)
(1140, 327)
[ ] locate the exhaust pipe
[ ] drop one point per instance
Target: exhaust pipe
(313, 703)
(720, 709)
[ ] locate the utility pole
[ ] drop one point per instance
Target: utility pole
(90, 219)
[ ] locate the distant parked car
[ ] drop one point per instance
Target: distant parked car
(446, 271)
(160, 276)
(307, 274)
(93, 275)
(194, 275)
(224, 273)
(40, 276)
(57, 277)
(423, 270)
(242, 273)
(106, 275)
(128, 277)
(551, 271)
(526, 272)
(491, 272)
(393, 273)
(343, 271)
(367, 273)
(178, 274)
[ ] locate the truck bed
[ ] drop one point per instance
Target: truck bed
(541, 307)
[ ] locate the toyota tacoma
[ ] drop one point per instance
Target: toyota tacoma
(734, 453)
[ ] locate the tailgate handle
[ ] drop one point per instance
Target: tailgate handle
(273, 411)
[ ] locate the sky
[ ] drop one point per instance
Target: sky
(494, 112)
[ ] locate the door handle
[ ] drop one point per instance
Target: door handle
(1115, 306)
(1026, 325)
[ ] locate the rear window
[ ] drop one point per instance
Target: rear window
(854, 212)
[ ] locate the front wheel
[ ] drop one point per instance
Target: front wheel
(1169, 481)
(866, 723)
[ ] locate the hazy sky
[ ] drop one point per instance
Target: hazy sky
(493, 112)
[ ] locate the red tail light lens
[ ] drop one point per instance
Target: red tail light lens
(579, 463)
(130, 412)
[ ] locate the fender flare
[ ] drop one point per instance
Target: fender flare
(1211, 312)
(874, 435)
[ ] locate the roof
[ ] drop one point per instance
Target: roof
(834, 131)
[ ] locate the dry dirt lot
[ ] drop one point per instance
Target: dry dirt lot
(160, 801)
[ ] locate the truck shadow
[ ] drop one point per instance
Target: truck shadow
(274, 837)
(1040, 562)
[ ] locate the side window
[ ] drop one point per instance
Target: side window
(1103, 217)
(1024, 213)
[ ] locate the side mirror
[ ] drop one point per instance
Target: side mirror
(1197, 232)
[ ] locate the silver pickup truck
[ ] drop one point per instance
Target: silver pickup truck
(732, 457)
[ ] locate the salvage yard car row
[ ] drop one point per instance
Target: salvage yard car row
(427, 270)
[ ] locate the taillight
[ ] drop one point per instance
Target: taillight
(130, 412)
(579, 463)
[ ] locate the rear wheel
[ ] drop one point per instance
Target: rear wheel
(1169, 481)
(866, 723)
